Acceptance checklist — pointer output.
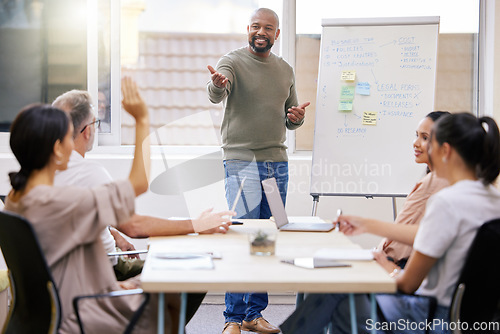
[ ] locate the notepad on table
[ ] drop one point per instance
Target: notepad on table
(181, 261)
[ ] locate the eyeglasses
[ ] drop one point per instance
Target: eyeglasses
(97, 122)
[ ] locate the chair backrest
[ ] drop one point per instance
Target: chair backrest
(478, 287)
(36, 306)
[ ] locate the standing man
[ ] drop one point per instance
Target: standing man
(260, 102)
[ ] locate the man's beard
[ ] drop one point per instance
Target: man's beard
(260, 50)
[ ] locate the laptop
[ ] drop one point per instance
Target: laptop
(280, 216)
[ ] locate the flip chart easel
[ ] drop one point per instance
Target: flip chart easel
(376, 82)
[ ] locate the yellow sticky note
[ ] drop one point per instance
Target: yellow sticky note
(369, 118)
(345, 105)
(348, 75)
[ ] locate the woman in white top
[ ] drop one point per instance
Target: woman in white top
(464, 150)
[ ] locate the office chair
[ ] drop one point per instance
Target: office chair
(135, 317)
(35, 306)
(477, 292)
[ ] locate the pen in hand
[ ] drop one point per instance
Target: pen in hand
(339, 213)
(238, 194)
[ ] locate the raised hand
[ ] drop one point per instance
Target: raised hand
(132, 101)
(134, 104)
(219, 80)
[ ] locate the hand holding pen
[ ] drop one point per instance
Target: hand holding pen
(337, 223)
(351, 225)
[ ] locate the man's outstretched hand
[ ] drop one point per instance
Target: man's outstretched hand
(219, 80)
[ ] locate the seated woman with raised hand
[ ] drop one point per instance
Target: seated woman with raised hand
(464, 150)
(68, 220)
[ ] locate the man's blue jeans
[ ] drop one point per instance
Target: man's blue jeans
(252, 205)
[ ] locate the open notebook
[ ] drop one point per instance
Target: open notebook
(281, 218)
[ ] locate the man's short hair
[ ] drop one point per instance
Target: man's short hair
(79, 106)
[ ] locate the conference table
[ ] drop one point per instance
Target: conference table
(235, 270)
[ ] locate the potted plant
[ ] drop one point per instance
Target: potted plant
(262, 243)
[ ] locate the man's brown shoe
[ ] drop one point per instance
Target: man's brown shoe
(232, 328)
(259, 325)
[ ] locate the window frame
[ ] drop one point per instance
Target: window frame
(110, 143)
(106, 140)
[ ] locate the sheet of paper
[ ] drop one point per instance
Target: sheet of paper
(344, 254)
(363, 88)
(369, 118)
(180, 261)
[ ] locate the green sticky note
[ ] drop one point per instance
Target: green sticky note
(347, 93)
(345, 105)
